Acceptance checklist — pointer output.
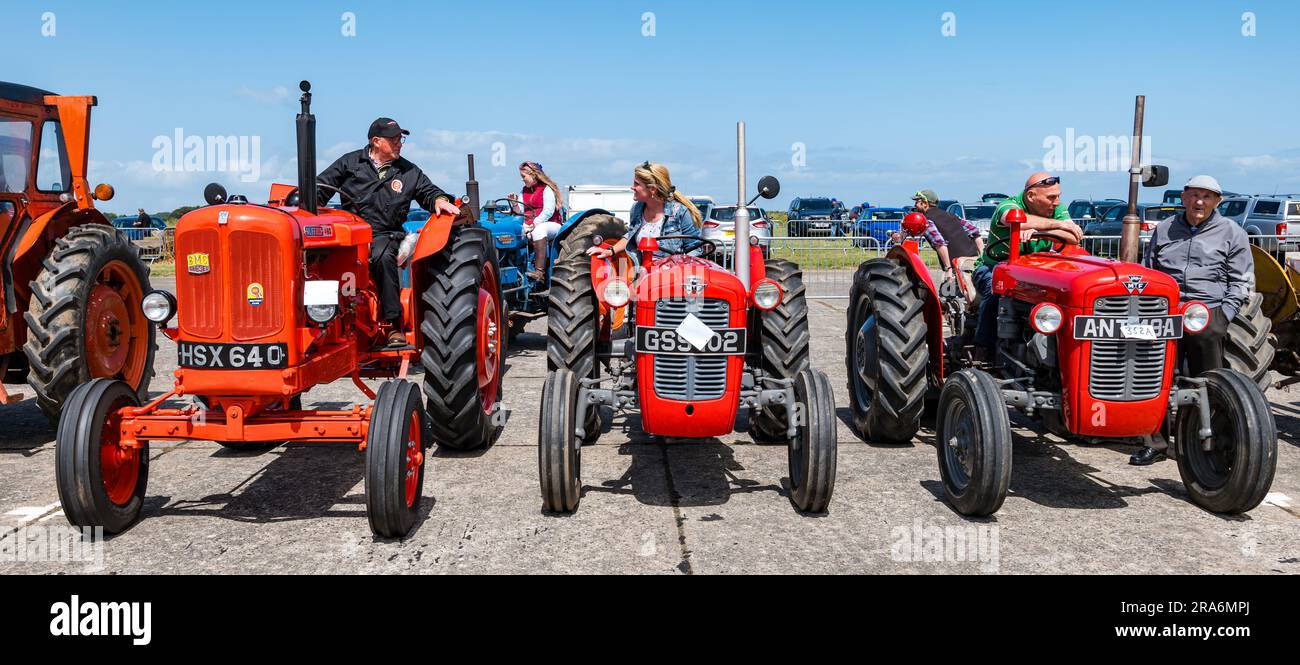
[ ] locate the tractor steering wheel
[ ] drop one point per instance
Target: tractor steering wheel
(511, 203)
(709, 247)
(1057, 247)
(291, 199)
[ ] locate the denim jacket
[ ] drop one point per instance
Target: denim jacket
(677, 222)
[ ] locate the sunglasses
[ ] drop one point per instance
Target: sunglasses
(1046, 182)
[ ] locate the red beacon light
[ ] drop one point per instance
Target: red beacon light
(914, 224)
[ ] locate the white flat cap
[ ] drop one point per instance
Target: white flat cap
(1204, 182)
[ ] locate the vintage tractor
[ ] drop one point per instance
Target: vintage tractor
(70, 284)
(275, 299)
(704, 342)
(1086, 345)
(525, 297)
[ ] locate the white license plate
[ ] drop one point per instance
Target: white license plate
(1138, 331)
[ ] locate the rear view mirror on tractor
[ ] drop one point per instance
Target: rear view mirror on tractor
(1155, 175)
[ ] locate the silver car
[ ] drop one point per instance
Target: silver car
(979, 213)
(720, 227)
(1276, 218)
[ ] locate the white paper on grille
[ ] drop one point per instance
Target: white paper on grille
(695, 331)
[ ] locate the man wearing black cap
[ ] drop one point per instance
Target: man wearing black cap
(378, 186)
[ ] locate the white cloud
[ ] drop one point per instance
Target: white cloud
(271, 97)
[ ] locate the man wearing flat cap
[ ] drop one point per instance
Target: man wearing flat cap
(378, 186)
(1209, 256)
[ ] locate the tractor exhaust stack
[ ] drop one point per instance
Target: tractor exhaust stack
(741, 250)
(1130, 237)
(306, 152)
(471, 191)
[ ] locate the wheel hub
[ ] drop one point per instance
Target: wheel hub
(105, 313)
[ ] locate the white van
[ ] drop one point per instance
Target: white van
(617, 200)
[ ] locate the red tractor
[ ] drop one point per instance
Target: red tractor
(700, 343)
(274, 299)
(70, 284)
(1085, 345)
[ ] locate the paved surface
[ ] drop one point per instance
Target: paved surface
(717, 506)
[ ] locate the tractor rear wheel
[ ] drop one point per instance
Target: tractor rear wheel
(783, 343)
(464, 340)
(84, 320)
(572, 324)
(580, 239)
(1235, 474)
(886, 352)
(1247, 347)
(812, 451)
(559, 454)
(973, 437)
(100, 481)
(395, 459)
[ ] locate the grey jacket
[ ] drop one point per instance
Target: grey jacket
(1212, 263)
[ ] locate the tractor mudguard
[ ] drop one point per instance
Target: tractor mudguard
(1279, 286)
(34, 243)
(433, 237)
(908, 255)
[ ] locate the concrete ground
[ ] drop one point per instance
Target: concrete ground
(716, 506)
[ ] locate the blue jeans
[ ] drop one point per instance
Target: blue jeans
(986, 329)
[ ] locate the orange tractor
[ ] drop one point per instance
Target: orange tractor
(70, 284)
(274, 299)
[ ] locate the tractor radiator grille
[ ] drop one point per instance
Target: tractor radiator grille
(691, 378)
(1123, 370)
(255, 264)
(198, 289)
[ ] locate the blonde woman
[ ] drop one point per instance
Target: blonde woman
(660, 210)
(542, 214)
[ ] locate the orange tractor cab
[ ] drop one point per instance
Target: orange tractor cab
(70, 284)
(272, 300)
(688, 344)
(1086, 346)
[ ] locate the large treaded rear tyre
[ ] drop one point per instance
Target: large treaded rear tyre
(783, 342)
(892, 353)
(973, 438)
(395, 460)
(579, 240)
(1248, 347)
(463, 343)
(84, 319)
(100, 482)
(1237, 472)
(572, 318)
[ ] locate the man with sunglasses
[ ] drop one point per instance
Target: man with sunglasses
(1044, 214)
(378, 185)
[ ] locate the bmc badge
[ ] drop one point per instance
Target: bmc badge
(198, 264)
(397, 186)
(255, 294)
(1134, 284)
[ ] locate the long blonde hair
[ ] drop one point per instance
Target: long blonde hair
(534, 169)
(656, 176)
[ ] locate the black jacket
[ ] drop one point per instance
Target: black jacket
(382, 203)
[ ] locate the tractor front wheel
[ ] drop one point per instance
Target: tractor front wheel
(1236, 471)
(464, 340)
(812, 451)
(973, 436)
(559, 454)
(395, 460)
(886, 353)
(84, 321)
(101, 482)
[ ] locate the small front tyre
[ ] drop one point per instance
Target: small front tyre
(1235, 474)
(812, 451)
(973, 437)
(559, 453)
(395, 460)
(101, 482)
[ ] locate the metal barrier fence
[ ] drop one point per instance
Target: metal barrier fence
(154, 244)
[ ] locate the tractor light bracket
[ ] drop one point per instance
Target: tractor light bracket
(1029, 401)
(1194, 394)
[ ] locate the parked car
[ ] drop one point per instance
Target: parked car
(613, 198)
(812, 217)
(1101, 235)
(1275, 215)
(720, 227)
(994, 197)
(876, 226)
(704, 204)
(1083, 211)
(978, 213)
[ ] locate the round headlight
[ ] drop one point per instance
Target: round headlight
(1196, 316)
(767, 294)
(617, 293)
(158, 306)
(1046, 318)
(321, 313)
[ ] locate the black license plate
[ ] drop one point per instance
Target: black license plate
(1147, 328)
(232, 356)
(666, 341)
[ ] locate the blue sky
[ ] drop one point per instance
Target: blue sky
(881, 100)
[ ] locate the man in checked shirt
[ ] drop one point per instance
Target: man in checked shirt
(951, 236)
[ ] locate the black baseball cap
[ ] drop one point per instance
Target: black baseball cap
(385, 127)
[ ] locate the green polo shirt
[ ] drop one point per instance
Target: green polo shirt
(997, 230)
